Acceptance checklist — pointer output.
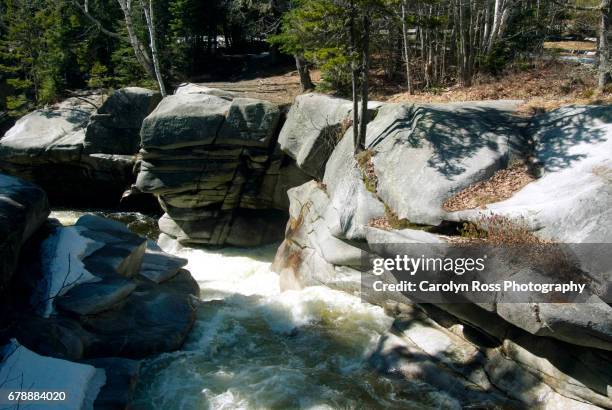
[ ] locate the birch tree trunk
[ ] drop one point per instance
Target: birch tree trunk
(406, 48)
(142, 56)
(149, 16)
(151, 67)
(365, 72)
(604, 46)
(497, 12)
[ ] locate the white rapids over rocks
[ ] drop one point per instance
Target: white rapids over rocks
(254, 347)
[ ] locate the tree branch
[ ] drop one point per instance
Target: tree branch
(85, 9)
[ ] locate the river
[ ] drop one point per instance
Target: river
(255, 347)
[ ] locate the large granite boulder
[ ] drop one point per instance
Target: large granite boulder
(555, 355)
(23, 209)
(423, 154)
(315, 123)
(82, 150)
(213, 163)
(115, 127)
(134, 302)
(570, 202)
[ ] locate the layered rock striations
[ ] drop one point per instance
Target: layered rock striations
(549, 355)
(82, 150)
(213, 162)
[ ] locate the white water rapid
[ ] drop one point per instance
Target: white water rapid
(255, 347)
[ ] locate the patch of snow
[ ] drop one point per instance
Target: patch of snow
(63, 269)
(24, 370)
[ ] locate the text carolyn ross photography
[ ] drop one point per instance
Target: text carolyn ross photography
(411, 265)
(477, 286)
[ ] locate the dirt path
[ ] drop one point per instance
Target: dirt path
(280, 89)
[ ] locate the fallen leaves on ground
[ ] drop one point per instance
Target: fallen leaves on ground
(501, 186)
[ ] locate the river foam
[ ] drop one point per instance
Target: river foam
(255, 347)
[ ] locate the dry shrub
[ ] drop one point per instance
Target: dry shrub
(381, 223)
(503, 231)
(521, 249)
(501, 186)
(498, 230)
(391, 221)
(364, 160)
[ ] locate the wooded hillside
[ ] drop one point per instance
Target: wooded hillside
(51, 47)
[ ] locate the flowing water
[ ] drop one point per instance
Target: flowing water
(255, 347)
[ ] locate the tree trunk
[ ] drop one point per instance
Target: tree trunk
(463, 80)
(142, 56)
(604, 47)
(365, 72)
(149, 16)
(354, 75)
(302, 69)
(406, 49)
(497, 14)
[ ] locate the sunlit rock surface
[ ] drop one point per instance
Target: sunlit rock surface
(213, 162)
(571, 200)
(420, 156)
(80, 151)
(22, 370)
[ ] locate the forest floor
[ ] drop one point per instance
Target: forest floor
(279, 88)
(542, 85)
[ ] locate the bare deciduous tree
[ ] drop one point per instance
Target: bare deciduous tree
(150, 65)
(147, 8)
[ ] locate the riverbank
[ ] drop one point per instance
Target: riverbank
(218, 326)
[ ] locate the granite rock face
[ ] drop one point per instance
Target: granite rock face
(82, 150)
(115, 127)
(23, 209)
(556, 355)
(106, 304)
(213, 162)
(570, 202)
(314, 125)
(425, 153)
